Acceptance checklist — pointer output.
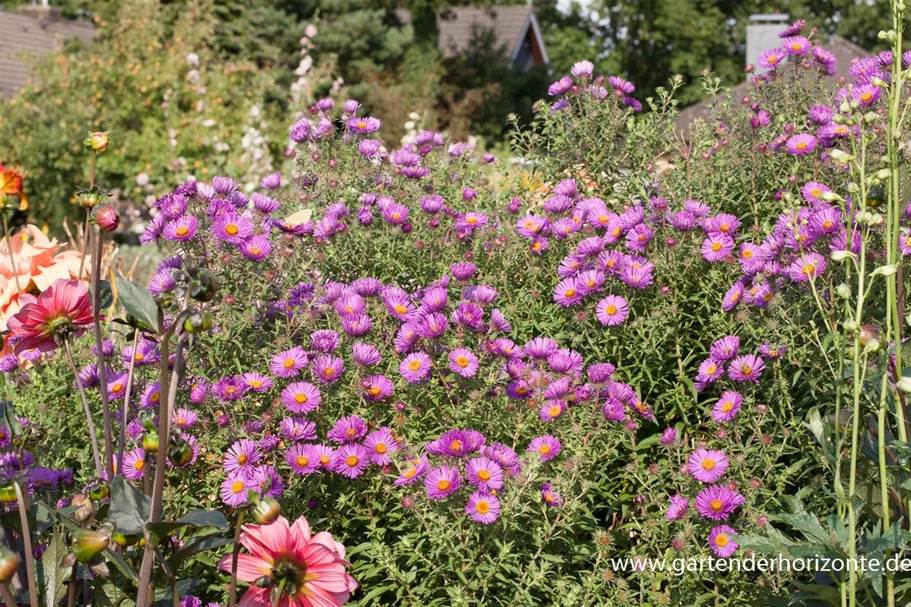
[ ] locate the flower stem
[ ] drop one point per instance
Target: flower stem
(126, 405)
(22, 500)
(85, 243)
(232, 591)
(85, 405)
(8, 599)
(99, 344)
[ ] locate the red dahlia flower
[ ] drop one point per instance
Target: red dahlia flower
(62, 309)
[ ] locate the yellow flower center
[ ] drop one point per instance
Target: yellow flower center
(180, 421)
(324, 460)
(374, 391)
(611, 309)
(815, 192)
(716, 505)
(747, 254)
(302, 460)
(796, 46)
(328, 372)
(380, 448)
(727, 406)
(139, 465)
(716, 246)
(182, 231)
(350, 432)
(289, 362)
(544, 449)
(410, 473)
(746, 369)
(231, 229)
(255, 383)
(708, 464)
(242, 459)
(352, 461)
(484, 475)
(462, 361)
(237, 486)
(721, 540)
(399, 308)
(361, 124)
(603, 218)
(471, 220)
(117, 388)
(570, 292)
(482, 507)
(444, 484)
(255, 250)
(801, 145)
(155, 397)
(554, 411)
(711, 370)
(414, 365)
(300, 398)
(808, 269)
(866, 97)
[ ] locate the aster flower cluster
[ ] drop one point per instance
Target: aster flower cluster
(17, 462)
(726, 360)
(584, 82)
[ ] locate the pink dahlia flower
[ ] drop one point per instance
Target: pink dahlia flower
(309, 568)
(63, 308)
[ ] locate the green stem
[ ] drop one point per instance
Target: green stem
(12, 258)
(96, 455)
(99, 344)
(22, 500)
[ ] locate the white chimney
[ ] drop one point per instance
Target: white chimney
(762, 34)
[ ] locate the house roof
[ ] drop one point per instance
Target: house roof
(844, 50)
(458, 27)
(25, 35)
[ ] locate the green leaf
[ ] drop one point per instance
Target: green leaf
(53, 574)
(138, 304)
(195, 546)
(107, 294)
(197, 518)
(130, 508)
(163, 595)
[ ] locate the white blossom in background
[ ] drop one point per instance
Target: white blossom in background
(302, 88)
(414, 124)
(192, 59)
(142, 179)
(255, 144)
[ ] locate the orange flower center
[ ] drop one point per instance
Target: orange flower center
(482, 507)
(302, 460)
(484, 475)
(414, 365)
(708, 464)
(444, 484)
(352, 461)
(544, 449)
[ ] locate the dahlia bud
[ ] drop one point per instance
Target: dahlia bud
(267, 511)
(180, 452)
(107, 218)
(9, 564)
(88, 543)
(124, 540)
(85, 509)
(197, 322)
(98, 142)
(7, 494)
(99, 491)
(150, 442)
(88, 200)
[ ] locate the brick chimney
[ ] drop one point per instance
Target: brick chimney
(762, 34)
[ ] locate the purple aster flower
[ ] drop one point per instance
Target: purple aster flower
(621, 86)
(727, 407)
(324, 340)
(369, 148)
(288, 363)
(582, 69)
(797, 46)
(184, 418)
(303, 459)
(725, 349)
(328, 369)
(484, 473)
(348, 430)
(746, 368)
(301, 397)
(707, 466)
(540, 347)
(771, 351)
(567, 293)
(232, 228)
(483, 507)
(181, 229)
(560, 87)
(377, 388)
(721, 541)
(151, 396)
(256, 248)
(669, 436)
(298, 430)
(414, 469)
(442, 482)
(547, 447)
(732, 297)
(229, 389)
(235, 487)
(380, 444)
(718, 502)
(198, 391)
(612, 311)
(365, 354)
(415, 367)
(463, 362)
(771, 59)
(242, 456)
(677, 508)
(273, 181)
(806, 267)
(257, 381)
(801, 144)
(350, 460)
(550, 497)
(134, 464)
(716, 248)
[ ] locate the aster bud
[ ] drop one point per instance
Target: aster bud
(843, 290)
(9, 564)
(98, 142)
(840, 156)
(849, 325)
(267, 511)
(842, 255)
(888, 270)
(88, 543)
(107, 218)
(829, 196)
(124, 540)
(872, 346)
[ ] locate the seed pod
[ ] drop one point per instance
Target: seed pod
(197, 322)
(180, 453)
(150, 442)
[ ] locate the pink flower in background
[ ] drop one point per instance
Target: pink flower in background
(309, 568)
